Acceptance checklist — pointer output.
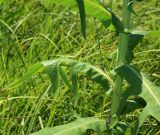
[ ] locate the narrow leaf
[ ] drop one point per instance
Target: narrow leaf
(82, 16)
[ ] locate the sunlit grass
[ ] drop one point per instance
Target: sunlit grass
(30, 33)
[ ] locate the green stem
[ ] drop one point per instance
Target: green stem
(122, 59)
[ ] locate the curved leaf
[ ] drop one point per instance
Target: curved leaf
(78, 127)
(141, 85)
(76, 68)
(54, 70)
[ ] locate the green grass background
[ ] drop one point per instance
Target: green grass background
(31, 32)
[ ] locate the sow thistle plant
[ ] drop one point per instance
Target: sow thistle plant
(139, 84)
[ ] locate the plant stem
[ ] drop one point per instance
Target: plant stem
(122, 59)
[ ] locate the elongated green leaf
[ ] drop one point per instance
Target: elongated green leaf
(78, 127)
(82, 16)
(92, 8)
(142, 86)
(54, 70)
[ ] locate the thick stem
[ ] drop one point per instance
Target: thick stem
(122, 59)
